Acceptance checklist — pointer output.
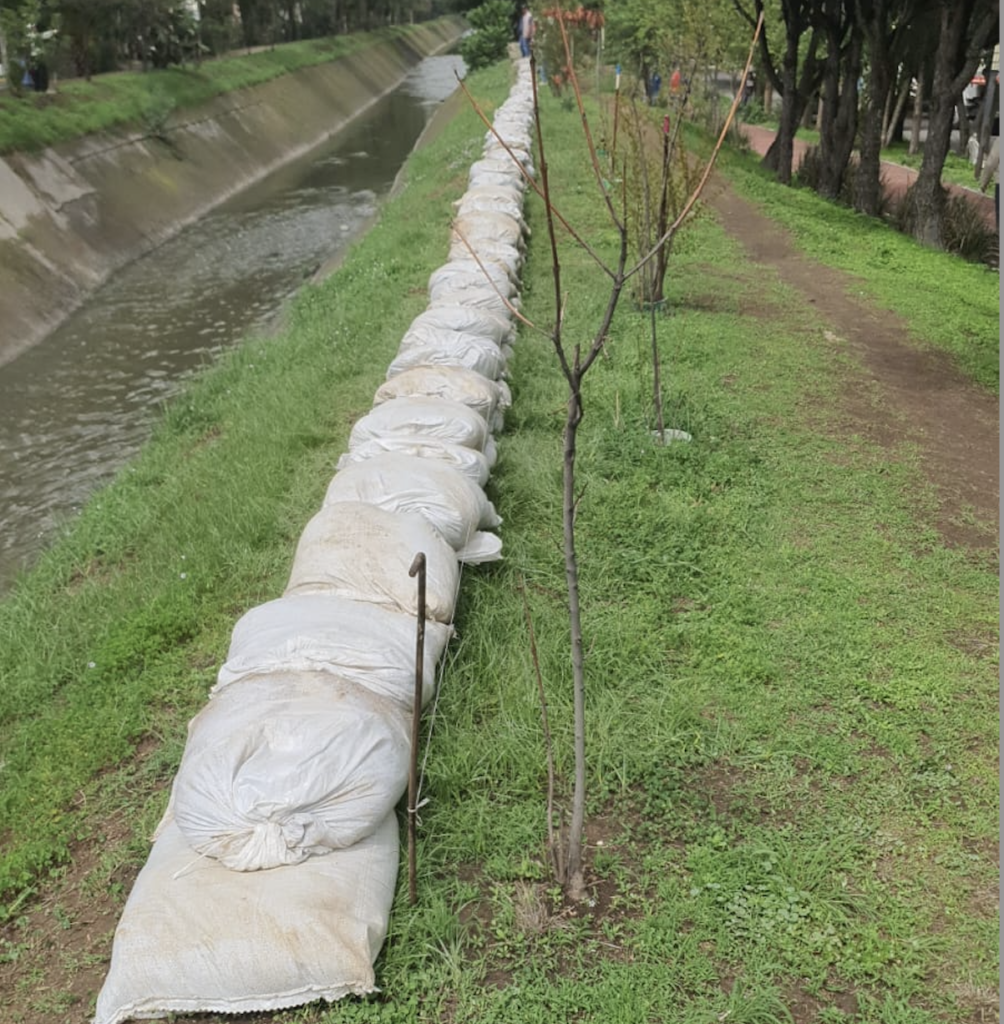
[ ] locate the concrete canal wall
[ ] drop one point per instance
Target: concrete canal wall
(73, 214)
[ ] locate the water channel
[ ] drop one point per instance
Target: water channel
(76, 407)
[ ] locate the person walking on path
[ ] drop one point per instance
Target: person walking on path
(526, 27)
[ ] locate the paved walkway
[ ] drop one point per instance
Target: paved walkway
(897, 177)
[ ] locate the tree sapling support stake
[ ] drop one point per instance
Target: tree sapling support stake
(417, 568)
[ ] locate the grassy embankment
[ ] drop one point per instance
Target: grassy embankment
(792, 681)
(146, 99)
(948, 303)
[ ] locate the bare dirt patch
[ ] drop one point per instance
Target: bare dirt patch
(908, 396)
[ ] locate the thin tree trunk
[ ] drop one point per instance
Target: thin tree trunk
(918, 113)
(576, 882)
(889, 132)
(963, 119)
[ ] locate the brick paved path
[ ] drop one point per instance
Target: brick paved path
(897, 177)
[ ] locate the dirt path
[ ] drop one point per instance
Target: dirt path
(908, 395)
(897, 178)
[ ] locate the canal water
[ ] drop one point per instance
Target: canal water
(76, 407)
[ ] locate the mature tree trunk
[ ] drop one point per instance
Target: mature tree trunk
(839, 121)
(965, 26)
(883, 23)
(795, 91)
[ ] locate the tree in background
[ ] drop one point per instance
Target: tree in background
(966, 29)
(493, 31)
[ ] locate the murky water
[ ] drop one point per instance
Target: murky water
(76, 407)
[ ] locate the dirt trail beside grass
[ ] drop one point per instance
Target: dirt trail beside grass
(908, 397)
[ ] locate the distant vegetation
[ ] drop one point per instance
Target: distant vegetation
(147, 98)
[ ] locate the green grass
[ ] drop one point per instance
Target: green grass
(948, 303)
(791, 681)
(957, 170)
(138, 602)
(129, 99)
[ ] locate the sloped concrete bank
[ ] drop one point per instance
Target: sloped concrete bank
(73, 214)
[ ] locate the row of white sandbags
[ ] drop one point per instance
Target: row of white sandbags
(300, 755)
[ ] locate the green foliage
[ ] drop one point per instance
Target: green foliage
(134, 98)
(114, 636)
(488, 43)
(155, 112)
(791, 679)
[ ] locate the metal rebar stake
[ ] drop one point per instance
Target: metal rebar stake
(417, 568)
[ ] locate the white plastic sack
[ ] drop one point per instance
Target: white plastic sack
(196, 937)
(488, 220)
(282, 767)
(420, 417)
(480, 298)
(495, 150)
(472, 464)
(466, 320)
(465, 275)
(507, 257)
(488, 398)
(363, 643)
(476, 204)
(363, 553)
(485, 177)
(451, 348)
(455, 506)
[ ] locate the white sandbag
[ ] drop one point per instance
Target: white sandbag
(465, 275)
(466, 320)
(507, 257)
(451, 348)
(502, 165)
(480, 298)
(455, 506)
(423, 334)
(421, 416)
(364, 553)
(488, 220)
(488, 398)
(281, 767)
(363, 643)
(195, 937)
(471, 463)
(495, 150)
(476, 203)
(489, 178)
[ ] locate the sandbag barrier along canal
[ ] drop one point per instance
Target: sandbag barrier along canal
(272, 874)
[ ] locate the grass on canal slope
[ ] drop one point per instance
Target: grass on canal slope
(791, 681)
(81, 107)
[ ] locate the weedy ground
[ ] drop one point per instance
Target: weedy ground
(792, 677)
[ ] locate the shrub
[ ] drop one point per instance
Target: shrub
(489, 42)
(964, 231)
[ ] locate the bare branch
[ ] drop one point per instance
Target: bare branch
(477, 259)
(594, 159)
(549, 211)
(696, 194)
(528, 177)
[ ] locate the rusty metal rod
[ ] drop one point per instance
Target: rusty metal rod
(417, 568)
